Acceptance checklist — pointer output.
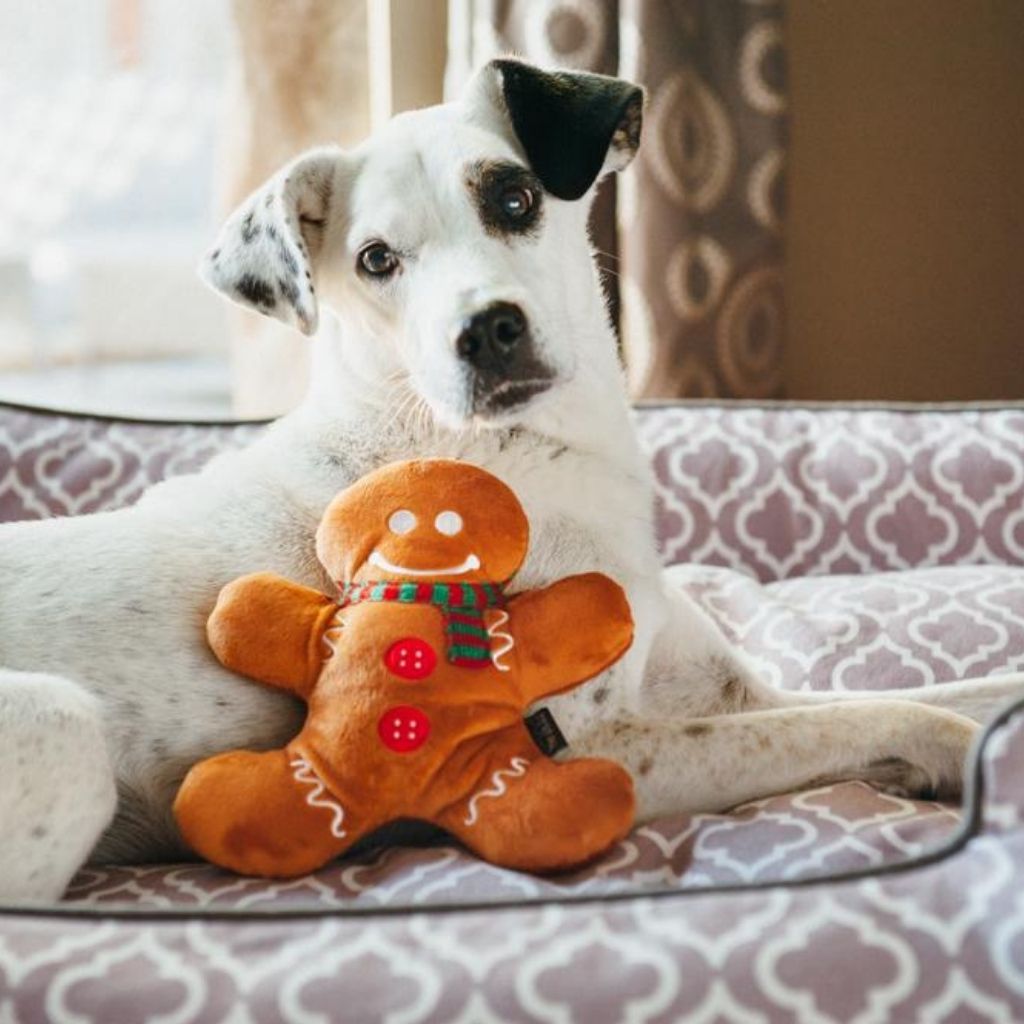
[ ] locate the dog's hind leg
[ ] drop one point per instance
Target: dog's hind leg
(693, 670)
(57, 790)
(714, 763)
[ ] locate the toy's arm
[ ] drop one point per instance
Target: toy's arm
(271, 630)
(568, 632)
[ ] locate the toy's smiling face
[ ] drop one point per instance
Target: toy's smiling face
(426, 520)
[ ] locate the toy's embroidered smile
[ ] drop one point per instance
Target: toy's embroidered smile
(471, 562)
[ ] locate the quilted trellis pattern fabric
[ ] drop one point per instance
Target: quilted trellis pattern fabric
(780, 492)
(940, 941)
(873, 632)
(739, 491)
(819, 833)
(770, 491)
(60, 465)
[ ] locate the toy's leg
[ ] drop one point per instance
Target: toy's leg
(262, 814)
(536, 815)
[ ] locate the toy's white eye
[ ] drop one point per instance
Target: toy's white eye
(449, 523)
(401, 521)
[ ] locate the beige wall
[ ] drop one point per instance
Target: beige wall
(906, 236)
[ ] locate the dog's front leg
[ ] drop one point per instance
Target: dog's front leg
(712, 764)
(57, 790)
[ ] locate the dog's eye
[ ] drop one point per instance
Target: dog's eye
(516, 202)
(377, 260)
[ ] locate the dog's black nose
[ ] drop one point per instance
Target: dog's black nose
(488, 339)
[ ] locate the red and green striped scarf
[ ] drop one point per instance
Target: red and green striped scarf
(462, 604)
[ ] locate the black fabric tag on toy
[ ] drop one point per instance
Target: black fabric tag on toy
(545, 732)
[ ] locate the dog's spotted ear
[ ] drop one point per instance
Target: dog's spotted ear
(265, 257)
(573, 126)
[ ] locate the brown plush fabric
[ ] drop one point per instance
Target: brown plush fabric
(398, 727)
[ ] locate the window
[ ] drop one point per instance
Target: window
(107, 154)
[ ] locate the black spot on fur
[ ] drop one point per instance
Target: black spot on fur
(644, 767)
(490, 183)
(268, 200)
(272, 233)
(255, 290)
(285, 255)
(250, 230)
(600, 695)
(697, 729)
(214, 255)
(559, 452)
(508, 437)
(288, 291)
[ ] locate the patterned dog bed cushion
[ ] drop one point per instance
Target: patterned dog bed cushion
(941, 940)
(775, 492)
(906, 629)
(757, 498)
(767, 494)
(781, 492)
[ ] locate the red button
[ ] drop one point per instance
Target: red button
(411, 658)
(403, 729)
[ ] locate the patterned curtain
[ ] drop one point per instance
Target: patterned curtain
(692, 233)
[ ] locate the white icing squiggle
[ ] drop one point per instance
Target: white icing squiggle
(494, 633)
(517, 767)
(330, 637)
(303, 773)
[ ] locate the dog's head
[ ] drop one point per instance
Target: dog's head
(452, 245)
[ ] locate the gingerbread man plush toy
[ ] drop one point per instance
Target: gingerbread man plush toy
(416, 681)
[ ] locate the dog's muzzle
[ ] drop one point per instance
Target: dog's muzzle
(497, 347)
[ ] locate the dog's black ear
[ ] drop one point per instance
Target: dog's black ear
(265, 256)
(572, 125)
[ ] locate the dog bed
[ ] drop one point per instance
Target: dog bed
(858, 548)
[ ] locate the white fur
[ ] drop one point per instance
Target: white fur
(112, 607)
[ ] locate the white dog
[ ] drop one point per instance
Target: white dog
(467, 321)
